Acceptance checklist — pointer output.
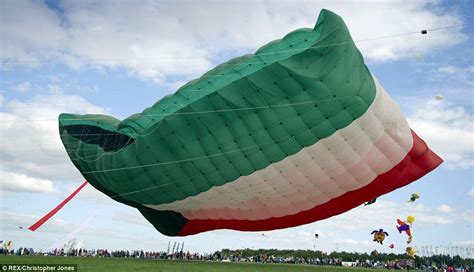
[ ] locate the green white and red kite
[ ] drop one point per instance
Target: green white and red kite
(297, 132)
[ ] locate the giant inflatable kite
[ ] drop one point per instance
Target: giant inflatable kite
(297, 132)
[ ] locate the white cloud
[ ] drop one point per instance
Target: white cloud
(31, 144)
(445, 209)
(471, 192)
(455, 70)
(421, 208)
(30, 31)
(89, 194)
(450, 74)
(14, 182)
(157, 40)
(23, 87)
(468, 243)
(131, 216)
(466, 215)
(449, 131)
(435, 219)
(13, 219)
(352, 242)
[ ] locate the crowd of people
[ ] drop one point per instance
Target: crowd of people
(237, 256)
(104, 253)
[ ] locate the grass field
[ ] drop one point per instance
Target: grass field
(118, 265)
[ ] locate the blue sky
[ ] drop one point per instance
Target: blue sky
(118, 57)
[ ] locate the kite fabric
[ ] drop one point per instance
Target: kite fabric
(297, 132)
(48, 216)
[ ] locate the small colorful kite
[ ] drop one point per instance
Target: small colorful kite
(379, 235)
(410, 251)
(413, 198)
(405, 226)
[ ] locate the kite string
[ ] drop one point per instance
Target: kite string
(262, 54)
(84, 224)
(205, 112)
(361, 209)
(289, 50)
(48, 216)
(83, 158)
(185, 179)
(202, 157)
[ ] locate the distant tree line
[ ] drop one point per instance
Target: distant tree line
(350, 256)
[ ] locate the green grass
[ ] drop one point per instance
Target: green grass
(118, 265)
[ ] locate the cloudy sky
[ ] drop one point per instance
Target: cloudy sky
(118, 57)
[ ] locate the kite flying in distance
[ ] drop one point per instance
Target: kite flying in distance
(405, 226)
(411, 252)
(413, 198)
(370, 202)
(298, 132)
(379, 235)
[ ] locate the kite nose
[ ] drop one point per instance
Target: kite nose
(93, 130)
